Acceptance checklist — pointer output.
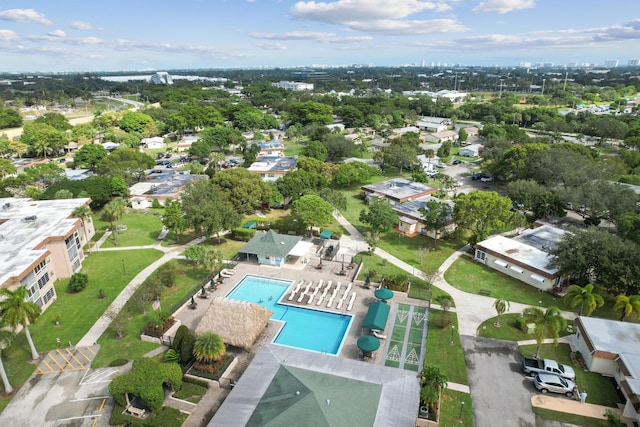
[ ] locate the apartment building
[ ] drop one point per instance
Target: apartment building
(41, 241)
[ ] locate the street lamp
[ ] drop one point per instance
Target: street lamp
(453, 328)
(461, 408)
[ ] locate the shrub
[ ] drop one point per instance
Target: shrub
(118, 362)
(180, 334)
(101, 294)
(77, 283)
(243, 234)
(208, 348)
(186, 348)
(155, 203)
(172, 356)
(167, 274)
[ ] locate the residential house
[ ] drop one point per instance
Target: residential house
(447, 135)
(294, 86)
(410, 219)
(428, 163)
(41, 241)
(397, 190)
(152, 143)
(433, 124)
(270, 168)
(377, 143)
(160, 186)
(269, 148)
(185, 142)
(525, 257)
(610, 347)
(471, 150)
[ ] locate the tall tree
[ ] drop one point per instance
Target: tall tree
(6, 336)
(172, 217)
(17, 311)
(480, 212)
(584, 297)
(89, 155)
(83, 212)
(435, 216)
(432, 383)
(112, 212)
(244, 190)
(380, 217)
(6, 168)
(312, 210)
(628, 305)
(547, 323)
(207, 209)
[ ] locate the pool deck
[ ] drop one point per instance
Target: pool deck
(296, 272)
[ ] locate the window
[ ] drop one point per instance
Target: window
(32, 290)
(76, 266)
(43, 280)
(48, 295)
(40, 266)
(480, 256)
(517, 269)
(537, 278)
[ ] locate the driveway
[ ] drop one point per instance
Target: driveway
(501, 393)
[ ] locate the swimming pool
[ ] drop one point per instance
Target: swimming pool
(303, 328)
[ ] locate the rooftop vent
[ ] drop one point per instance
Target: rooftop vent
(6, 206)
(30, 218)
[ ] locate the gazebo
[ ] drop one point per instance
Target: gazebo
(238, 323)
(377, 315)
(271, 248)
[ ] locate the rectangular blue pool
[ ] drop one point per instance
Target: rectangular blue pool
(303, 328)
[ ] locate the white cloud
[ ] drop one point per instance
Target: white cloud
(346, 11)
(388, 26)
(57, 33)
(504, 6)
(320, 37)
(83, 26)
(272, 46)
(8, 35)
(24, 15)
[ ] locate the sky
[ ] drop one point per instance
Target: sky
(117, 35)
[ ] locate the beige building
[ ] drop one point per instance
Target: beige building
(40, 242)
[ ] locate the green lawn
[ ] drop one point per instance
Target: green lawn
(600, 389)
(76, 312)
(571, 419)
(470, 276)
(452, 407)
(509, 329)
(449, 358)
(131, 346)
(142, 229)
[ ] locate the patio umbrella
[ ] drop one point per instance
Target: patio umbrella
(368, 343)
(383, 294)
(203, 291)
(193, 302)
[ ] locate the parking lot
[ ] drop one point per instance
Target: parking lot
(501, 393)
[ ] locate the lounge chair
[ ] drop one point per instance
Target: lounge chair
(293, 292)
(298, 286)
(353, 298)
(339, 306)
(338, 286)
(301, 297)
(330, 302)
(378, 334)
(224, 273)
(306, 290)
(311, 298)
(328, 286)
(228, 271)
(320, 300)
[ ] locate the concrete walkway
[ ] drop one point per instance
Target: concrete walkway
(98, 328)
(569, 406)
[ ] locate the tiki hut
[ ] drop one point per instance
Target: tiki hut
(237, 322)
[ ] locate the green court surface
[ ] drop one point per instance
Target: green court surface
(407, 339)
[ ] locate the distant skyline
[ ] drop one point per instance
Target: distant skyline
(65, 35)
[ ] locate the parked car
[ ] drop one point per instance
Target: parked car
(547, 366)
(457, 161)
(431, 174)
(160, 156)
(554, 384)
(167, 156)
(478, 175)
(486, 179)
(441, 165)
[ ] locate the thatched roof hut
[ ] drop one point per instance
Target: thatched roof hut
(237, 322)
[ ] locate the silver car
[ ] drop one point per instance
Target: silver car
(555, 384)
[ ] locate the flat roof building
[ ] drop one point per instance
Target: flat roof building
(40, 242)
(397, 190)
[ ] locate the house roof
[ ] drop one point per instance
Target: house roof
(270, 244)
(475, 148)
(399, 189)
(531, 248)
(612, 336)
(412, 209)
(289, 386)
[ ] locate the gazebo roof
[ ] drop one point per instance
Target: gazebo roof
(237, 322)
(377, 315)
(271, 244)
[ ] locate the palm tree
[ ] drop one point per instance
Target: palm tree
(429, 154)
(501, 305)
(546, 323)
(16, 310)
(628, 305)
(216, 159)
(583, 297)
(6, 336)
(432, 382)
(84, 213)
(112, 213)
(208, 348)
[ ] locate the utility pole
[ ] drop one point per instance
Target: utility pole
(543, 81)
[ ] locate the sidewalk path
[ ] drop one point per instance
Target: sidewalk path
(472, 309)
(570, 406)
(98, 328)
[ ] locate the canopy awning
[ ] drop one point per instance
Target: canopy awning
(368, 343)
(301, 248)
(250, 224)
(377, 315)
(326, 234)
(501, 263)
